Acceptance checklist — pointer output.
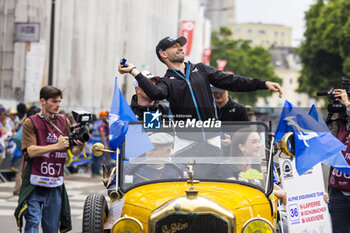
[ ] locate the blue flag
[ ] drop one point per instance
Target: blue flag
(313, 112)
(313, 141)
(337, 160)
(119, 117)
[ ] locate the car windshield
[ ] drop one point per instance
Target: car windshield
(232, 152)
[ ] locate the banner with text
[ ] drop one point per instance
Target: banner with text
(187, 28)
(306, 209)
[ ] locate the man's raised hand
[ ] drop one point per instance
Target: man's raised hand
(127, 69)
(274, 87)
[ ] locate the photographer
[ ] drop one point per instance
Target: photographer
(45, 142)
(339, 182)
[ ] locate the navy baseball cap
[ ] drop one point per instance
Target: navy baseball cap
(216, 89)
(168, 42)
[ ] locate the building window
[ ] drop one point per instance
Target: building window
(261, 31)
(249, 31)
(237, 31)
(276, 33)
(282, 34)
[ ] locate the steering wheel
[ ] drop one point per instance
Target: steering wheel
(139, 166)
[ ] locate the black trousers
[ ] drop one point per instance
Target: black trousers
(339, 208)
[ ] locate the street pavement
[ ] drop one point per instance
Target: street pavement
(79, 186)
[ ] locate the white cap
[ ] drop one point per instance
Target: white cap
(147, 74)
(161, 139)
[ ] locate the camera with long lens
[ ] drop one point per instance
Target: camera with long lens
(335, 106)
(81, 130)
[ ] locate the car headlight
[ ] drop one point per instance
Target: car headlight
(257, 225)
(127, 224)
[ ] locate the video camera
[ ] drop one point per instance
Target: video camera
(81, 130)
(336, 106)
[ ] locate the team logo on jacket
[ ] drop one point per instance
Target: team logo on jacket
(51, 138)
(151, 120)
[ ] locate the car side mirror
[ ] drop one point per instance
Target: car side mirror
(98, 149)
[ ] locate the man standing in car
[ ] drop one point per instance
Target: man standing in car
(187, 86)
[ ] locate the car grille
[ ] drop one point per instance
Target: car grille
(191, 223)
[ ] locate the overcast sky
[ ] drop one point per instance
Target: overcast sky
(284, 12)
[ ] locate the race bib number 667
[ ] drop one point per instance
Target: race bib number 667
(50, 168)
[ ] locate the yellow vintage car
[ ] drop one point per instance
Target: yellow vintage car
(198, 180)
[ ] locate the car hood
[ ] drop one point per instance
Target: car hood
(231, 196)
(244, 201)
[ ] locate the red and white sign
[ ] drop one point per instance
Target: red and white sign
(221, 64)
(187, 28)
(206, 56)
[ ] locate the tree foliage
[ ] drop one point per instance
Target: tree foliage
(243, 60)
(325, 53)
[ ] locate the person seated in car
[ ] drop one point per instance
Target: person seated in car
(246, 145)
(156, 163)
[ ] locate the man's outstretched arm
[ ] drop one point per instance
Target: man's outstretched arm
(155, 92)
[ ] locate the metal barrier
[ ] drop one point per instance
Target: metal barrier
(5, 165)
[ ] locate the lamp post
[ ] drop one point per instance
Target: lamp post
(52, 39)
